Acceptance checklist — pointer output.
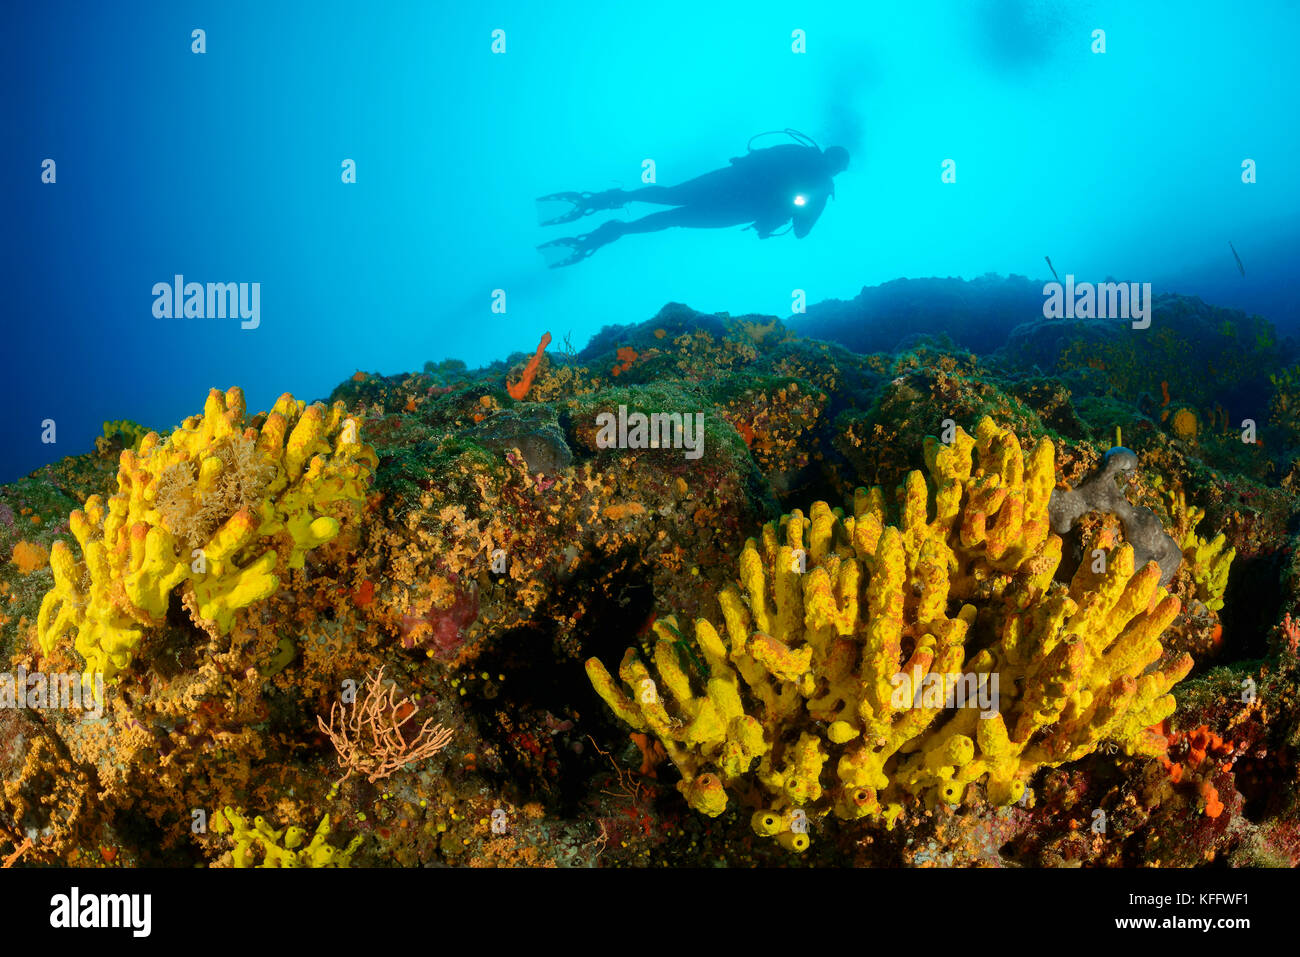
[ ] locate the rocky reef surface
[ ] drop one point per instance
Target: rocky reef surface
(360, 633)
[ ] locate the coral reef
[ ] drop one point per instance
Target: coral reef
(487, 547)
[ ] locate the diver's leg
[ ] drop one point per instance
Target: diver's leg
(567, 251)
(650, 224)
(668, 218)
(566, 207)
(711, 187)
(660, 195)
(587, 203)
(717, 188)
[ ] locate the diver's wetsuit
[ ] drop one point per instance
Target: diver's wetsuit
(765, 188)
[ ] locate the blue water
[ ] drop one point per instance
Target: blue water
(226, 167)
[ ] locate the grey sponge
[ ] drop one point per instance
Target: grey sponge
(1100, 493)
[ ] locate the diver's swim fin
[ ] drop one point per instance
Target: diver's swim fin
(566, 251)
(560, 208)
(566, 207)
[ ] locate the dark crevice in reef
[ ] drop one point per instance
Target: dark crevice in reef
(1255, 780)
(513, 712)
(806, 494)
(1252, 602)
(133, 829)
(545, 705)
(813, 483)
(179, 642)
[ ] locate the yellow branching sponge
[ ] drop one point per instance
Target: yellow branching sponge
(260, 845)
(860, 663)
(216, 509)
(1208, 561)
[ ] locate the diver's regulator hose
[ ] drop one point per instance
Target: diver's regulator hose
(803, 139)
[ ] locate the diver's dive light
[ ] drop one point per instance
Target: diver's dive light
(800, 200)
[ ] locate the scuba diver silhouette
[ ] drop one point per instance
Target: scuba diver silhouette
(765, 188)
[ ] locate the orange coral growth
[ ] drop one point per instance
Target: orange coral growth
(1206, 741)
(626, 356)
(1198, 744)
(1164, 391)
(520, 388)
(627, 510)
(364, 595)
(1220, 415)
(1203, 753)
(1213, 806)
(652, 754)
(1292, 631)
(29, 557)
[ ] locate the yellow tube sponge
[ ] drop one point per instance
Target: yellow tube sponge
(218, 509)
(1208, 560)
(862, 664)
(257, 844)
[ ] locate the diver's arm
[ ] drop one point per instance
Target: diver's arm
(766, 226)
(806, 216)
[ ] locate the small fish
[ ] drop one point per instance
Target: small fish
(1236, 257)
(1051, 267)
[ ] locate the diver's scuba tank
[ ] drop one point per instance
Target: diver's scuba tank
(801, 139)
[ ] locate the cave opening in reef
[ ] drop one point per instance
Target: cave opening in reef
(537, 700)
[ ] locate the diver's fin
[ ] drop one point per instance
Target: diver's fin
(566, 207)
(566, 251)
(560, 208)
